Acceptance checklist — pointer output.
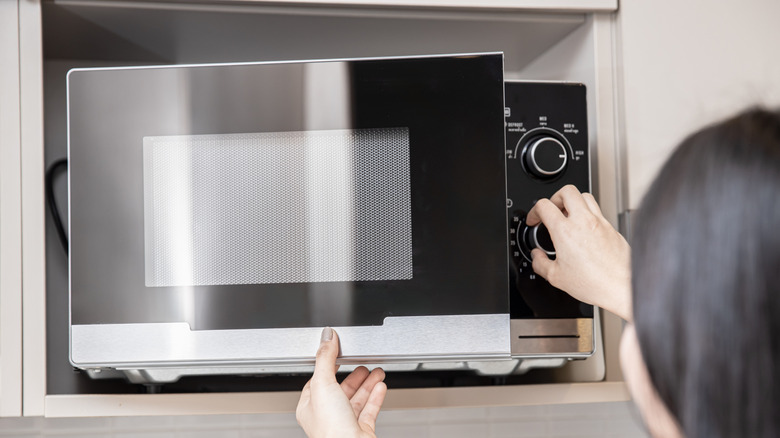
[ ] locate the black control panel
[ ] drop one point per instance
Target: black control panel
(547, 148)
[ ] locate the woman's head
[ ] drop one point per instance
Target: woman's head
(706, 279)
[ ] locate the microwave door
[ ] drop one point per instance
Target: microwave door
(223, 214)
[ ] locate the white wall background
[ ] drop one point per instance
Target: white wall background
(690, 63)
(603, 420)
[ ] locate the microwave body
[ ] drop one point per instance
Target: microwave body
(220, 215)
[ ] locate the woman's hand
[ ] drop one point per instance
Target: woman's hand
(327, 409)
(592, 260)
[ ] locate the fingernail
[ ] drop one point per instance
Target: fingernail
(327, 334)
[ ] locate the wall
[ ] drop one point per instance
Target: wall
(604, 420)
(689, 63)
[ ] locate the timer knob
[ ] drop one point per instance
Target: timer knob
(538, 237)
(545, 157)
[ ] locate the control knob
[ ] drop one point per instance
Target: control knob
(538, 237)
(545, 157)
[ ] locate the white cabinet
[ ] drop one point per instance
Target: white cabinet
(10, 216)
(559, 40)
(21, 203)
(685, 65)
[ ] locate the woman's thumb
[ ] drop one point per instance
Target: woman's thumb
(325, 363)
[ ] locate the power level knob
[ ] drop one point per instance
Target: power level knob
(545, 157)
(538, 237)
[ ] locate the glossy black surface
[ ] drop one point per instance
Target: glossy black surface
(452, 107)
(542, 110)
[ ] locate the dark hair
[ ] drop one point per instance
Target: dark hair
(706, 279)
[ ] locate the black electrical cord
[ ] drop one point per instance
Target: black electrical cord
(62, 163)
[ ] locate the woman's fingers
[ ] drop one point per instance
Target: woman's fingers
(544, 211)
(571, 199)
(325, 364)
(362, 395)
(593, 206)
(324, 408)
(567, 200)
(542, 264)
(370, 412)
(352, 383)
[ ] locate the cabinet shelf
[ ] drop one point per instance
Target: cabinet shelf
(275, 402)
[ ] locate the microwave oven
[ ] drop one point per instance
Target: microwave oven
(221, 214)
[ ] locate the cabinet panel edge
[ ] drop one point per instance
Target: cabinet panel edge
(33, 226)
(281, 402)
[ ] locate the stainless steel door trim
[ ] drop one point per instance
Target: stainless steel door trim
(292, 61)
(572, 337)
(169, 375)
(482, 368)
(399, 339)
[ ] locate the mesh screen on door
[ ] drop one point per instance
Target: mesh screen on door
(277, 207)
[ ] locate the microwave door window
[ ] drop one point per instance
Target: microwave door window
(277, 207)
